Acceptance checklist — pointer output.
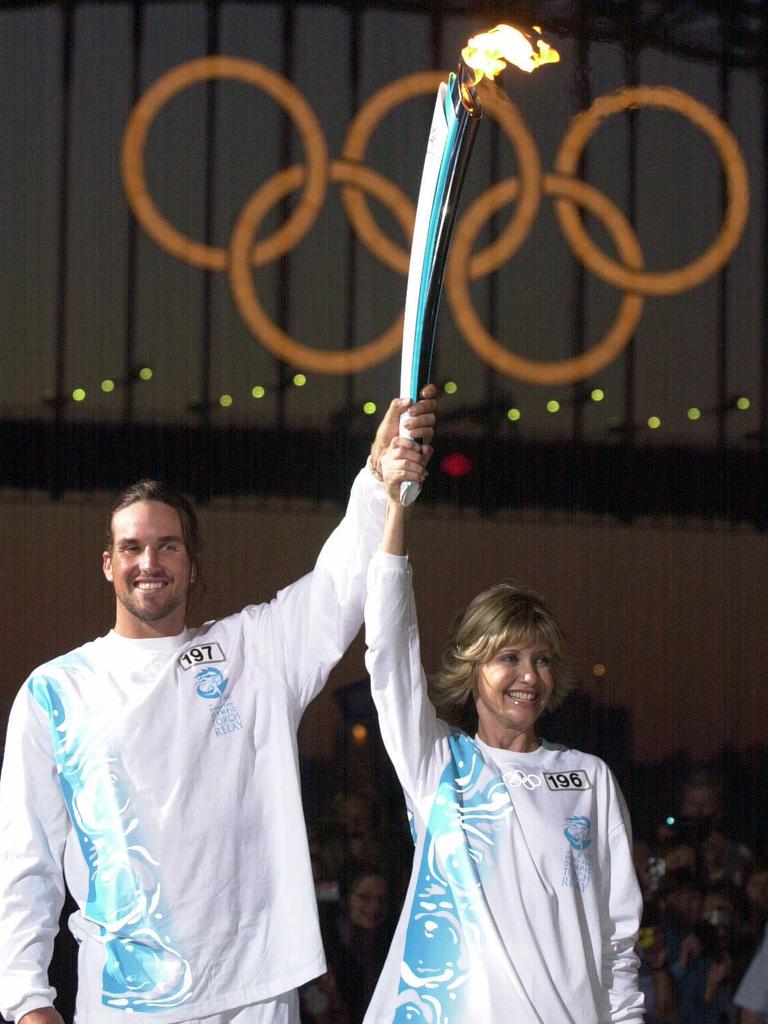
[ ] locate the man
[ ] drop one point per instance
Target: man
(156, 769)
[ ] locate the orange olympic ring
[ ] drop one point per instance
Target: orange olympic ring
(253, 313)
(564, 371)
(135, 137)
(495, 102)
(355, 179)
(670, 282)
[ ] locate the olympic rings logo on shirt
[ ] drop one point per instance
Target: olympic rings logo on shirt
(518, 778)
(312, 177)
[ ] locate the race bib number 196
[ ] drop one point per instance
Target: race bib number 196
(567, 780)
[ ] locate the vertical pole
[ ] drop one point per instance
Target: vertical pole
(286, 156)
(57, 447)
(204, 482)
(583, 94)
(129, 340)
(762, 482)
(722, 400)
(629, 451)
(351, 323)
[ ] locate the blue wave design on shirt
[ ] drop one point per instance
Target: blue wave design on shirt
(444, 925)
(143, 972)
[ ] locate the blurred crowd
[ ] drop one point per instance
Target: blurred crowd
(705, 910)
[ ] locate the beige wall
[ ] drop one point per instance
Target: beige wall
(678, 615)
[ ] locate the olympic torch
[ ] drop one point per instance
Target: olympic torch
(452, 133)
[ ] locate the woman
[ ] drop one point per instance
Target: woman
(523, 905)
(355, 940)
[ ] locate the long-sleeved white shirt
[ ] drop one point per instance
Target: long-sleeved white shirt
(523, 904)
(161, 778)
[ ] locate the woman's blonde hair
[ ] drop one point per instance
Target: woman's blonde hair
(501, 616)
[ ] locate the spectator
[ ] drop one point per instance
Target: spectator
(756, 896)
(681, 855)
(703, 812)
(356, 941)
(725, 909)
(699, 964)
(655, 980)
(680, 903)
(352, 816)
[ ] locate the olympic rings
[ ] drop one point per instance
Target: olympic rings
(495, 102)
(477, 336)
(273, 337)
(135, 137)
(318, 171)
(517, 777)
(583, 127)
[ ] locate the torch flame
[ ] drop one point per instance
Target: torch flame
(490, 52)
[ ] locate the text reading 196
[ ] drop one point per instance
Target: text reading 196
(567, 780)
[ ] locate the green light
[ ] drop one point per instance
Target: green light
(299, 380)
(145, 373)
(258, 391)
(743, 403)
(78, 395)
(107, 385)
(654, 422)
(369, 408)
(450, 387)
(694, 413)
(553, 405)
(225, 401)
(513, 415)
(597, 394)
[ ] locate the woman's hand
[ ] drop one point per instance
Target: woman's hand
(420, 422)
(403, 461)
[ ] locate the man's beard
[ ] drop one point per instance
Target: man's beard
(149, 614)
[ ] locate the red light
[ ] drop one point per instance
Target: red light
(456, 465)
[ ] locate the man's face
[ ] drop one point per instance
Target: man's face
(150, 570)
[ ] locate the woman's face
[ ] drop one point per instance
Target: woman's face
(512, 690)
(368, 899)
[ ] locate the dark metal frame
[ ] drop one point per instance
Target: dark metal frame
(730, 34)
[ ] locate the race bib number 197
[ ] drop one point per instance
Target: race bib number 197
(201, 654)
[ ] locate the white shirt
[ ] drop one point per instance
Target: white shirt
(523, 903)
(163, 776)
(752, 993)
